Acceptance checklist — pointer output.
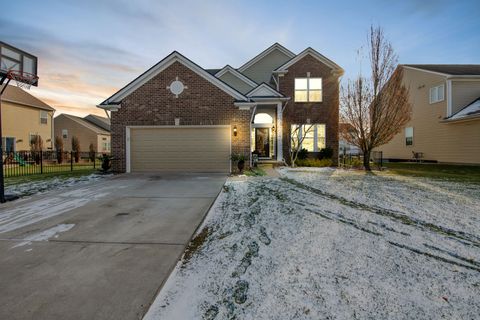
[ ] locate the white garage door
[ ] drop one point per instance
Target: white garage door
(180, 149)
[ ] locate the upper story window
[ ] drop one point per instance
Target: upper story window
(437, 93)
(308, 89)
(43, 117)
(409, 136)
(64, 133)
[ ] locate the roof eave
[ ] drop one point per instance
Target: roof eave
(463, 119)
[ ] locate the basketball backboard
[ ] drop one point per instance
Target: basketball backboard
(19, 62)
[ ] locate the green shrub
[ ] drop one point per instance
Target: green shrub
(302, 154)
(314, 162)
(325, 153)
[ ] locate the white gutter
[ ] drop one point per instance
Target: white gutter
(109, 107)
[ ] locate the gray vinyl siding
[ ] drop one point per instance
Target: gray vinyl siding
(261, 71)
(236, 83)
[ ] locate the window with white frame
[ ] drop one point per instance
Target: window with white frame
(43, 117)
(437, 93)
(308, 89)
(313, 136)
(64, 133)
(409, 136)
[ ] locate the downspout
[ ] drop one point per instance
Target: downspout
(250, 135)
(52, 134)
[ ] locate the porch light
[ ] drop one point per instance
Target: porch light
(273, 129)
(234, 131)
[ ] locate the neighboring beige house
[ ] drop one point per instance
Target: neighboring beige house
(89, 130)
(23, 117)
(445, 124)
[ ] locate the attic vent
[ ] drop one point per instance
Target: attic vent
(176, 87)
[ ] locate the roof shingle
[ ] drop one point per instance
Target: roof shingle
(450, 69)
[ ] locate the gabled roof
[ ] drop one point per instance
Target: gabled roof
(313, 53)
(264, 90)
(449, 69)
(275, 46)
(101, 122)
(88, 125)
(17, 95)
(237, 74)
(472, 110)
(212, 71)
(175, 56)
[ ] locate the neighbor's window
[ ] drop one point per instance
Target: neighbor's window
(308, 89)
(43, 117)
(65, 134)
(437, 93)
(409, 136)
(314, 140)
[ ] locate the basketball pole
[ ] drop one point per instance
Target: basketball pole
(2, 179)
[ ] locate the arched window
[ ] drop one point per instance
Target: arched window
(263, 118)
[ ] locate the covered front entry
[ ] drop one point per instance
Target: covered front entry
(178, 149)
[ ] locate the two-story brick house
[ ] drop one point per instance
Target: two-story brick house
(178, 116)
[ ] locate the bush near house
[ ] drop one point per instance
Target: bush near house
(76, 148)
(325, 153)
(314, 162)
(36, 147)
(91, 152)
(59, 149)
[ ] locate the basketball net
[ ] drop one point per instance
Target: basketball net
(23, 79)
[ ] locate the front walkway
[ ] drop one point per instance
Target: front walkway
(110, 247)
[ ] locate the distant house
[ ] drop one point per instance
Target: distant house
(445, 123)
(89, 130)
(24, 117)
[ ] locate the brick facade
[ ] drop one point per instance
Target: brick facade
(326, 112)
(202, 103)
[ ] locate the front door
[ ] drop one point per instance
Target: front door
(262, 142)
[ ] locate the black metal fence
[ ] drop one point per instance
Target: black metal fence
(356, 160)
(23, 163)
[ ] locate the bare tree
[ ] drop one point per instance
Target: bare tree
(375, 108)
(59, 149)
(297, 135)
(76, 148)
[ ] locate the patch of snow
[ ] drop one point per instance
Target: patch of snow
(45, 235)
(41, 186)
(326, 243)
(29, 211)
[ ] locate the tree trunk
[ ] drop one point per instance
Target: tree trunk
(366, 160)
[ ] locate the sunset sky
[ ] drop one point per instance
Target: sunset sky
(89, 49)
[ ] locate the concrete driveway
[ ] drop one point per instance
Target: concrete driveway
(111, 246)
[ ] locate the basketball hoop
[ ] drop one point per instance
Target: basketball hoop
(23, 79)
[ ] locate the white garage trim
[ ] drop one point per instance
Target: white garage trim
(128, 142)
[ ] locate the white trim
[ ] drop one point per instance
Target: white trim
(469, 118)
(449, 98)
(428, 71)
(237, 74)
(110, 107)
(162, 65)
(266, 88)
(275, 46)
(313, 53)
(127, 149)
(127, 138)
(279, 131)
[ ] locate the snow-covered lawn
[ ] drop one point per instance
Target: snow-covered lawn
(332, 244)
